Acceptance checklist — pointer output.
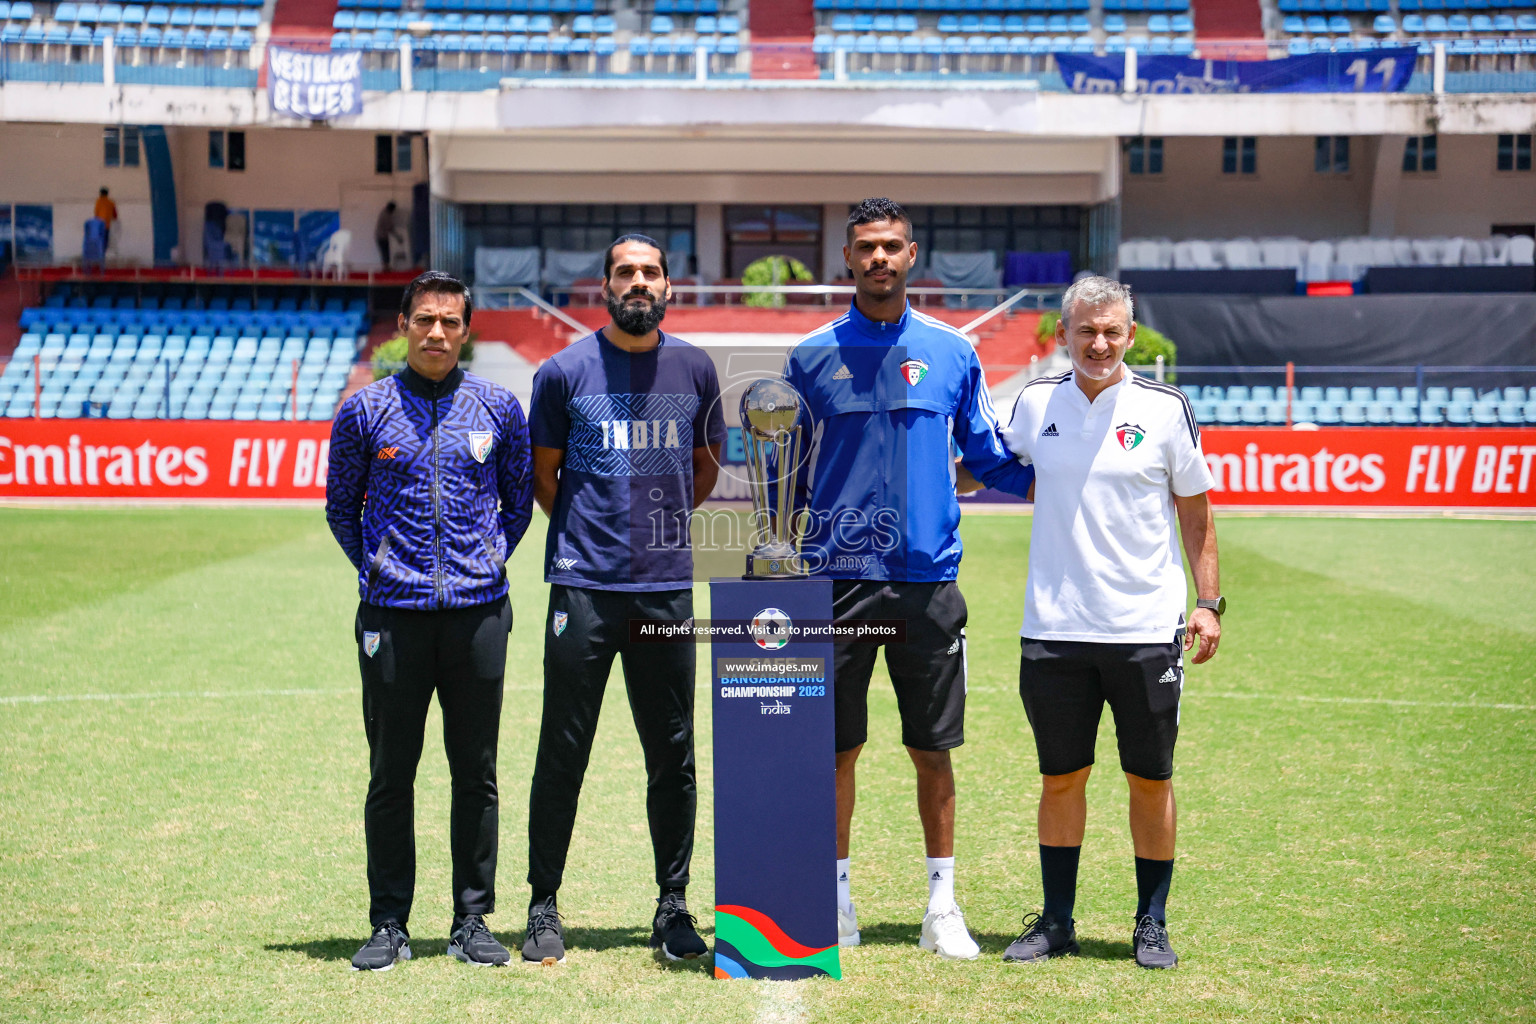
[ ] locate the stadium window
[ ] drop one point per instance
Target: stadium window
(1514, 153)
(1239, 154)
(1146, 155)
(216, 149)
(1421, 154)
(130, 146)
(234, 150)
(383, 154)
(1331, 154)
(403, 153)
(112, 146)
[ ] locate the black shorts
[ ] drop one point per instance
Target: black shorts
(927, 671)
(1064, 684)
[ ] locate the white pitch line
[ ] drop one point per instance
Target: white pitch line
(780, 1004)
(59, 698)
(1388, 701)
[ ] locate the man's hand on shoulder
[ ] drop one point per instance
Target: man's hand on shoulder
(1204, 626)
(965, 482)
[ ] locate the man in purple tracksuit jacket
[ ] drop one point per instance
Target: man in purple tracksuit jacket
(430, 488)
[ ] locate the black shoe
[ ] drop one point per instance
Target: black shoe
(1150, 941)
(1044, 937)
(545, 943)
(674, 931)
(471, 941)
(389, 945)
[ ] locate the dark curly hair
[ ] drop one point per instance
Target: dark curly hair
(878, 208)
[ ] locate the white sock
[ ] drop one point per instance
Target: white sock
(941, 883)
(844, 890)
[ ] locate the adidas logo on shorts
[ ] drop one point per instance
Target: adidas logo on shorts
(1170, 676)
(954, 648)
(1049, 431)
(843, 373)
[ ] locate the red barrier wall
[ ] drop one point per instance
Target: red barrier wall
(223, 460)
(178, 459)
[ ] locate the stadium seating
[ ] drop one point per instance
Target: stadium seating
(1237, 405)
(117, 356)
(1004, 37)
(155, 44)
(1328, 260)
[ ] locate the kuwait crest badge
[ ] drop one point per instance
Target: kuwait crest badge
(480, 444)
(562, 619)
(370, 644)
(914, 370)
(1129, 435)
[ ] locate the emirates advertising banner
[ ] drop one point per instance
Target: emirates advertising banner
(180, 460)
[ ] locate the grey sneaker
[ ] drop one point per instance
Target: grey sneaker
(472, 942)
(388, 946)
(1150, 940)
(545, 943)
(1043, 938)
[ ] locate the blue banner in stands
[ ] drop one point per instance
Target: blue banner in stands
(1384, 70)
(316, 86)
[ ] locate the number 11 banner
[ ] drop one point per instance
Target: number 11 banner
(1383, 70)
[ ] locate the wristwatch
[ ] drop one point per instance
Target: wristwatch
(1215, 604)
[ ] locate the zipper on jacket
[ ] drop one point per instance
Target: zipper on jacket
(437, 507)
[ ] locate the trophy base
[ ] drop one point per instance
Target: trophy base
(775, 567)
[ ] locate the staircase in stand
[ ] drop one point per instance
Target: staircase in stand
(1228, 20)
(781, 39)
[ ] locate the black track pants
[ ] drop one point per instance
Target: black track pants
(594, 626)
(462, 654)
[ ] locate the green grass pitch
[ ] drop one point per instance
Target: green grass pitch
(182, 767)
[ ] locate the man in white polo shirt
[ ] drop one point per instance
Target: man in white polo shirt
(1118, 459)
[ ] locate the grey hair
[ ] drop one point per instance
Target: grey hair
(1096, 291)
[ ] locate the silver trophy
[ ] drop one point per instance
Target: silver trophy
(770, 427)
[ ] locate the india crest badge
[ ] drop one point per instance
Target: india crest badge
(480, 444)
(370, 644)
(562, 619)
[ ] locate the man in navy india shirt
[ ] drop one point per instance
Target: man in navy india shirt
(888, 391)
(626, 427)
(429, 490)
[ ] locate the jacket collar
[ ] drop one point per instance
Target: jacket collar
(876, 328)
(431, 390)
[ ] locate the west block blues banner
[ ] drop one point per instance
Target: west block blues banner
(317, 86)
(1385, 70)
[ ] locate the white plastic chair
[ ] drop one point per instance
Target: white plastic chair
(1403, 249)
(1283, 253)
(1427, 251)
(1383, 252)
(1496, 251)
(1522, 251)
(1242, 254)
(335, 254)
(1319, 265)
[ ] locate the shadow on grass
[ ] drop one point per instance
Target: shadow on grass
(579, 939)
(992, 943)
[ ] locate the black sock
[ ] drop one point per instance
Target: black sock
(1152, 880)
(540, 895)
(1058, 874)
(668, 890)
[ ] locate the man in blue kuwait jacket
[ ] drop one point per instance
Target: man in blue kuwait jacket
(626, 427)
(887, 390)
(430, 488)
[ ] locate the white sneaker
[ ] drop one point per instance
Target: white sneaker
(945, 934)
(847, 926)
